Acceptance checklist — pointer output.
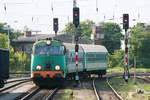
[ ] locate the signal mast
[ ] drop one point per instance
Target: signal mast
(126, 65)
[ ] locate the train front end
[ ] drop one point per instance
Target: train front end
(48, 65)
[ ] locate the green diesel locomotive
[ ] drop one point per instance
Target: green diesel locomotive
(48, 63)
(53, 61)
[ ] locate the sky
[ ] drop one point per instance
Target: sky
(38, 14)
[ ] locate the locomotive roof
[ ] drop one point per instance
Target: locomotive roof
(44, 41)
(93, 48)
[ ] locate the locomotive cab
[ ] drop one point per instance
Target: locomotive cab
(48, 62)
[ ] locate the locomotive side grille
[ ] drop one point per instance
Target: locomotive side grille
(48, 67)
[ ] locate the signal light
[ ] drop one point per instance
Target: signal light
(55, 24)
(126, 21)
(76, 18)
(76, 48)
(76, 14)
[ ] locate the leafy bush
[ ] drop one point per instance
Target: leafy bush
(19, 61)
(116, 59)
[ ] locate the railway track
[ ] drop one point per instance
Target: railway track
(114, 91)
(18, 75)
(100, 97)
(95, 90)
(147, 79)
(14, 83)
(39, 94)
(16, 80)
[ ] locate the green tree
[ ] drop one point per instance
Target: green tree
(2, 25)
(140, 40)
(13, 34)
(112, 36)
(3, 41)
(84, 29)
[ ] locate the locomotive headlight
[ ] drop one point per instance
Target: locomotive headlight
(48, 42)
(57, 67)
(38, 67)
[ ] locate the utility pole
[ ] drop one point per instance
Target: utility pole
(8, 38)
(134, 66)
(74, 3)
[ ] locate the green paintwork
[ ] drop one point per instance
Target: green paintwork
(100, 62)
(43, 59)
(96, 60)
(55, 60)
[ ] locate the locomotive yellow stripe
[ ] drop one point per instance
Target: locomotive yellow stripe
(45, 73)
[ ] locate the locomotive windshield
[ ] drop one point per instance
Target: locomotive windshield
(48, 50)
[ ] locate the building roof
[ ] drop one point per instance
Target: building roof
(33, 37)
(67, 38)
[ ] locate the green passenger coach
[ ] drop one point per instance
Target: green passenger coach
(95, 59)
(71, 59)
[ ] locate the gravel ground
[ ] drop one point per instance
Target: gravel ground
(16, 91)
(83, 92)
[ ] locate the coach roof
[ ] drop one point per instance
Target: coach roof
(93, 48)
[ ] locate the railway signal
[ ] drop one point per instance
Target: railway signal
(125, 21)
(126, 27)
(76, 22)
(76, 16)
(55, 25)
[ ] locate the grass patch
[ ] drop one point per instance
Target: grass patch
(121, 69)
(120, 85)
(128, 90)
(102, 85)
(115, 69)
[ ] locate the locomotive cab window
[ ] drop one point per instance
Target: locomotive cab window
(48, 50)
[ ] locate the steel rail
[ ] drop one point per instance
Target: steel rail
(95, 90)
(50, 96)
(31, 94)
(4, 89)
(18, 80)
(115, 92)
(145, 79)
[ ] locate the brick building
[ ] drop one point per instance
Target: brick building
(97, 35)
